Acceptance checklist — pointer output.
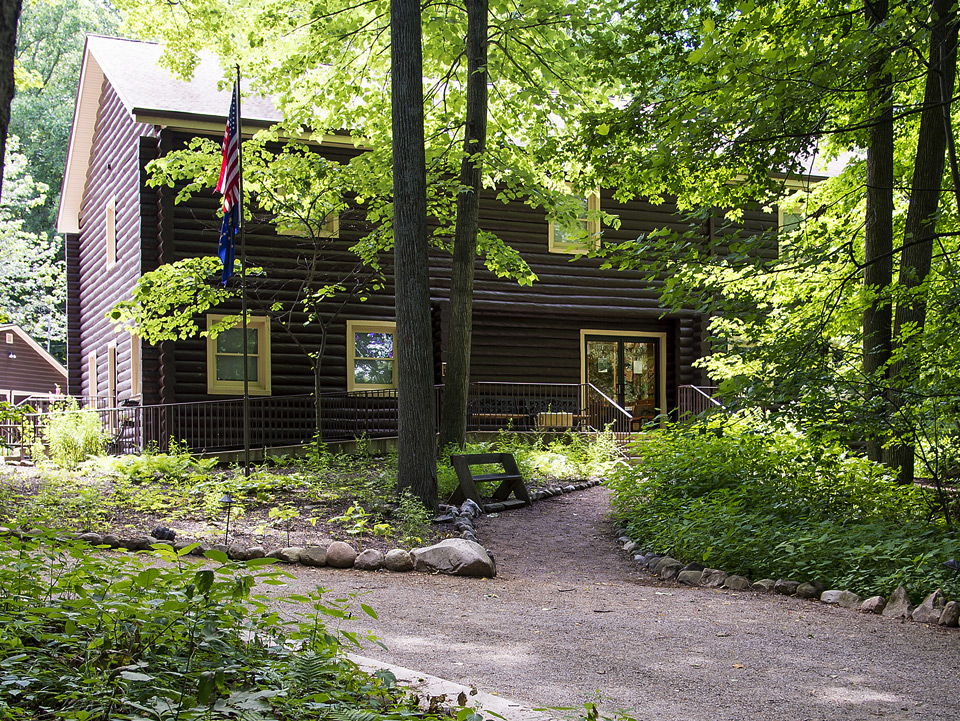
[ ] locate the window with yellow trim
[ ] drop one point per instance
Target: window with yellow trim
(583, 239)
(225, 358)
(371, 362)
(329, 228)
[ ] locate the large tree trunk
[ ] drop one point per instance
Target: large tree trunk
(453, 420)
(416, 466)
(9, 17)
(878, 235)
(921, 224)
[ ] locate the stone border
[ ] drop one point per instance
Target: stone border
(466, 560)
(935, 609)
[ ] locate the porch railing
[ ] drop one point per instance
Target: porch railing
(213, 426)
(694, 400)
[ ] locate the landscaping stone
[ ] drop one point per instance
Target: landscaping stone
(931, 609)
(623, 538)
(469, 507)
(665, 561)
(652, 560)
(145, 543)
(111, 540)
(669, 571)
(513, 503)
(785, 587)
(951, 615)
(569, 489)
(237, 552)
(689, 578)
(737, 583)
(94, 539)
(764, 585)
(899, 605)
(455, 557)
(811, 589)
(341, 555)
(256, 552)
(199, 550)
(494, 507)
(398, 559)
(162, 533)
(694, 567)
(313, 556)
(369, 560)
(713, 578)
(629, 546)
(874, 604)
(844, 599)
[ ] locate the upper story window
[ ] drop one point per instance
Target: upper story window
(225, 358)
(329, 228)
(371, 363)
(579, 240)
(110, 225)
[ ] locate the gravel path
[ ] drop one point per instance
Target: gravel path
(570, 619)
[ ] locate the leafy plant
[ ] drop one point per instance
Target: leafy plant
(71, 435)
(412, 518)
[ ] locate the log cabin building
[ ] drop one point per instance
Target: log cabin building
(27, 371)
(577, 324)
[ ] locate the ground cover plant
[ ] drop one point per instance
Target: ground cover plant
(322, 496)
(770, 503)
(90, 636)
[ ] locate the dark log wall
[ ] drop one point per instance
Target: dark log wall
(114, 170)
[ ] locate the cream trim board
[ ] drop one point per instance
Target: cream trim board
(260, 387)
(136, 372)
(591, 224)
(661, 355)
(110, 231)
(788, 220)
(374, 326)
(92, 379)
(112, 373)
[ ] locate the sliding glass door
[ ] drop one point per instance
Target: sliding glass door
(627, 369)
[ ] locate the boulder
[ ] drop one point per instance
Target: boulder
(713, 578)
(495, 507)
(844, 599)
(664, 561)
(764, 585)
(811, 589)
(313, 556)
(221, 547)
(470, 508)
(694, 567)
(874, 604)
(341, 554)
(629, 546)
(94, 539)
(899, 605)
(454, 557)
(369, 560)
(144, 543)
(652, 560)
(951, 615)
(785, 587)
(237, 552)
(669, 571)
(398, 559)
(737, 583)
(931, 609)
(111, 540)
(689, 578)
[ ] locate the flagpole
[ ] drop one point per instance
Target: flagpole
(243, 287)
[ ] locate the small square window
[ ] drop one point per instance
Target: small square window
(225, 358)
(371, 364)
(582, 240)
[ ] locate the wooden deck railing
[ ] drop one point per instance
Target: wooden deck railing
(692, 401)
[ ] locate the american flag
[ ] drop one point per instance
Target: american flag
(229, 186)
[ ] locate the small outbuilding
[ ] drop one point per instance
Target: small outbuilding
(26, 369)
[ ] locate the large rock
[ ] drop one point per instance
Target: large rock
(256, 552)
(94, 539)
(810, 589)
(737, 583)
(764, 585)
(669, 571)
(785, 587)
(454, 557)
(844, 599)
(291, 554)
(951, 615)
(398, 559)
(369, 560)
(899, 605)
(874, 604)
(664, 562)
(931, 609)
(713, 578)
(689, 578)
(341, 554)
(313, 556)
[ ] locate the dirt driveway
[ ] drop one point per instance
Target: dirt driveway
(570, 619)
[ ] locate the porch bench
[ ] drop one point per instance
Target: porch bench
(509, 481)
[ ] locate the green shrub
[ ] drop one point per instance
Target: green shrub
(71, 436)
(772, 504)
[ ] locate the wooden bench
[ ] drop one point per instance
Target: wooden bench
(510, 481)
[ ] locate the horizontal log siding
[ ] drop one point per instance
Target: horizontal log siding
(114, 170)
(29, 371)
(525, 334)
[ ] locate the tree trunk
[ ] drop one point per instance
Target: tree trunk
(878, 236)
(9, 16)
(416, 463)
(921, 225)
(453, 420)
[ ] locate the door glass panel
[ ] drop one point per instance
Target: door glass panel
(640, 378)
(602, 366)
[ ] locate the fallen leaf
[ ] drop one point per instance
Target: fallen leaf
(738, 665)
